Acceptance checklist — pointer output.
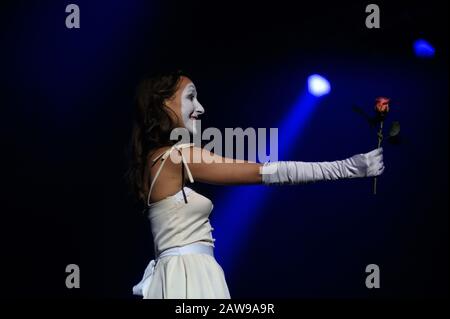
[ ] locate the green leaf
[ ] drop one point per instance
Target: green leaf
(395, 129)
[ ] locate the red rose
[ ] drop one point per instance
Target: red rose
(382, 104)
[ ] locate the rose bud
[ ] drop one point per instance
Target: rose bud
(382, 104)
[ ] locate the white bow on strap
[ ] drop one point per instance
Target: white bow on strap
(143, 285)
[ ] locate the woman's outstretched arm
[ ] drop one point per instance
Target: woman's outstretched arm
(211, 168)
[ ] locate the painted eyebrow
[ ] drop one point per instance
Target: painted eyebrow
(190, 86)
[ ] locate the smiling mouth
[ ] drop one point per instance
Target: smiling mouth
(193, 117)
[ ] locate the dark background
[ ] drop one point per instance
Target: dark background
(66, 104)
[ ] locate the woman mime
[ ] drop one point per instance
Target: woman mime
(184, 264)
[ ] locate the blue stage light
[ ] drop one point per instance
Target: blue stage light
(238, 209)
(318, 85)
(423, 49)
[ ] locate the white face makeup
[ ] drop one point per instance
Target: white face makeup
(190, 107)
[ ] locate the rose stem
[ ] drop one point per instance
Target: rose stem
(380, 138)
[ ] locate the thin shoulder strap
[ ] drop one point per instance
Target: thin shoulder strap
(163, 156)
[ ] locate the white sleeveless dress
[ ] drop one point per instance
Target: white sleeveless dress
(177, 221)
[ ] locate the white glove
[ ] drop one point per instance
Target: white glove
(360, 165)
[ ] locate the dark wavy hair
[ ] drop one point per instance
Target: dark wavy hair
(152, 124)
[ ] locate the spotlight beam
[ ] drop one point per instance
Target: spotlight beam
(238, 207)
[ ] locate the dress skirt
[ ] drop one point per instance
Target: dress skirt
(189, 276)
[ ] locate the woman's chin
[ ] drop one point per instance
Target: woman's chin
(191, 126)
